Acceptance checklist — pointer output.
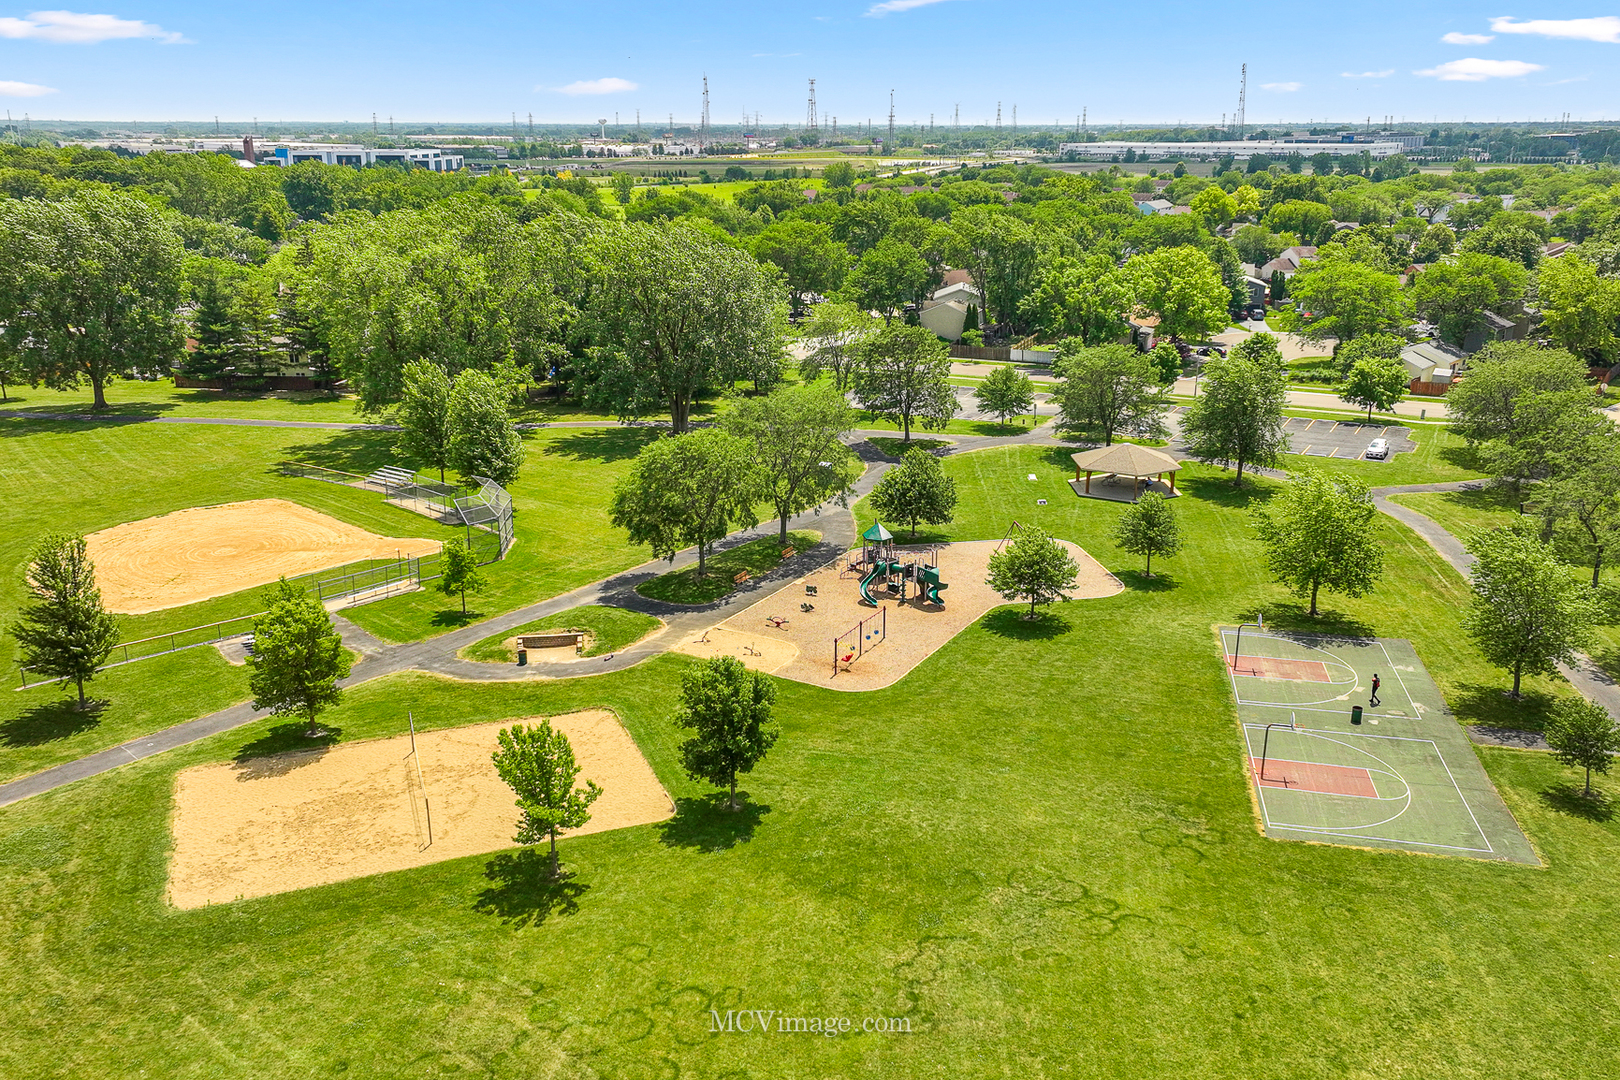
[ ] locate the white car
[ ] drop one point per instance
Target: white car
(1378, 448)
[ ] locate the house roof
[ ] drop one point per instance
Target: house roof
(957, 277)
(1425, 356)
(1161, 205)
(956, 289)
(1125, 459)
(1492, 319)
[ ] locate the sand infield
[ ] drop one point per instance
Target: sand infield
(207, 551)
(290, 821)
(802, 650)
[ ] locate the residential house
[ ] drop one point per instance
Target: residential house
(1155, 206)
(945, 313)
(1432, 366)
(1288, 262)
(1496, 328)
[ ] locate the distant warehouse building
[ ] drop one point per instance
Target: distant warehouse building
(416, 157)
(1239, 149)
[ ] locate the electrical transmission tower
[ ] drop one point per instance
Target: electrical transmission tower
(811, 127)
(1243, 99)
(956, 124)
(998, 119)
(703, 125)
(1083, 119)
(1015, 124)
(891, 119)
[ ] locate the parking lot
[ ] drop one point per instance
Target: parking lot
(1334, 438)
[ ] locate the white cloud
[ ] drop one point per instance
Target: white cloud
(1455, 38)
(1386, 73)
(1474, 69)
(9, 88)
(609, 85)
(1281, 87)
(891, 7)
(1605, 28)
(78, 28)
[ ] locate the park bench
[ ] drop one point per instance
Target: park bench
(788, 553)
(552, 641)
(742, 576)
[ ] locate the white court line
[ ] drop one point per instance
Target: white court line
(1395, 738)
(1386, 839)
(1410, 700)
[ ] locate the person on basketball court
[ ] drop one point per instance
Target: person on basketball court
(1376, 684)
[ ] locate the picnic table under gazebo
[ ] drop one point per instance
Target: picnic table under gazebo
(1139, 463)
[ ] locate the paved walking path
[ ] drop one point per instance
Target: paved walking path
(1590, 681)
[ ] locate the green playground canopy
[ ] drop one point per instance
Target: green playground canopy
(877, 533)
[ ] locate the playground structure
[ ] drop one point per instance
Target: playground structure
(881, 567)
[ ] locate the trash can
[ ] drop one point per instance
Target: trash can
(1355, 710)
(523, 661)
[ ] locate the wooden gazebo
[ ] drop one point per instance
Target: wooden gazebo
(1125, 459)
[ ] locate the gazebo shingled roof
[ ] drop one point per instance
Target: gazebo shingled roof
(1124, 459)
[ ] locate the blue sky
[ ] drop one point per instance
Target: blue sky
(1162, 62)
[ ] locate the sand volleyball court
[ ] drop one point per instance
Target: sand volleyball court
(289, 821)
(208, 551)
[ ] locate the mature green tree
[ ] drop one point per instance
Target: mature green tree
(674, 311)
(1343, 299)
(537, 763)
(624, 186)
(1087, 299)
(1006, 392)
(904, 376)
(1376, 382)
(258, 349)
(1033, 567)
(90, 285)
(1239, 416)
(1506, 238)
(1547, 427)
(729, 709)
(458, 571)
(1368, 347)
(1582, 499)
(64, 630)
(1456, 295)
(688, 490)
(460, 283)
(424, 415)
(1319, 533)
(1258, 245)
(797, 434)
(1148, 528)
(1298, 216)
(916, 491)
(1578, 308)
(483, 440)
(810, 259)
(1215, 206)
(1502, 379)
(1528, 613)
(298, 656)
(840, 174)
(213, 326)
(830, 337)
(1002, 254)
(1583, 735)
(888, 277)
(1183, 287)
(1108, 389)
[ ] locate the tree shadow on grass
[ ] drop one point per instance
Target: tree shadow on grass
(705, 823)
(47, 723)
(1138, 581)
(523, 892)
(1491, 706)
(1572, 799)
(602, 444)
(1219, 490)
(1295, 617)
(362, 452)
(282, 749)
(455, 617)
(1011, 623)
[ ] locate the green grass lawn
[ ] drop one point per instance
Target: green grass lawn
(867, 422)
(611, 629)
(1038, 848)
(756, 557)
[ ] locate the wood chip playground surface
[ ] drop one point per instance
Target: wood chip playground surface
(208, 551)
(1405, 778)
(289, 821)
(774, 635)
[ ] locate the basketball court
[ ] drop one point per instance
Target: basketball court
(1404, 777)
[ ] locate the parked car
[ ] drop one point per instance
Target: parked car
(1378, 449)
(1256, 312)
